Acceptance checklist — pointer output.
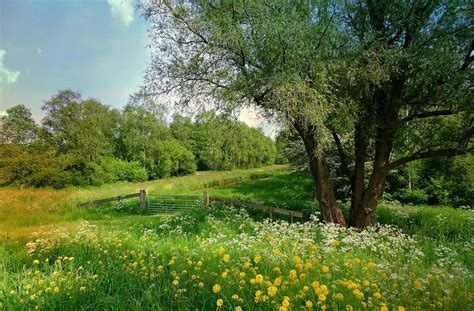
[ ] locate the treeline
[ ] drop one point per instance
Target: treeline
(434, 181)
(83, 142)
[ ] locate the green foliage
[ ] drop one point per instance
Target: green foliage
(172, 159)
(37, 166)
(41, 166)
(445, 181)
(111, 170)
(219, 143)
(86, 128)
(17, 126)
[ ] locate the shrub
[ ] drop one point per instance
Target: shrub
(414, 196)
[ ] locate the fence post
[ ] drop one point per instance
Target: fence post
(291, 216)
(206, 199)
(270, 212)
(142, 199)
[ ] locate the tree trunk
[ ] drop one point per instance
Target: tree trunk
(318, 167)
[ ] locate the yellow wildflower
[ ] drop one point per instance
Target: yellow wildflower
(377, 295)
(226, 258)
(257, 258)
(220, 250)
(216, 288)
(219, 303)
(322, 297)
(258, 278)
(56, 290)
(238, 308)
(325, 269)
(36, 262)
(272, 290)
(82, 289)
(309, 305)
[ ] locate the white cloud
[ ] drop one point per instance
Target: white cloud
(7, 76)
(40, 51)
(122, 10)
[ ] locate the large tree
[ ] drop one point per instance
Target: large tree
(83, 127)
(385, 82)
(17, 126)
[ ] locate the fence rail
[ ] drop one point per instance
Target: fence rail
(155, 203)
(269, 209)
(141, 195)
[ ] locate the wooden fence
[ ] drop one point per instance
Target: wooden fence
(271, 210)
(268, 209)
(141, 195)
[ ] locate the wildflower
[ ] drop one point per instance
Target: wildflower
(219, 303)
(339, 296)
(220, 250)
(247, 265)
(400, 308)
(56, 290)
(257, 258)
(296, 260)
(175, 282)
(258, 296)
(82, 289)
(226, 258)
(293, 275)
(33, 297)
(199, 263)
(200, 284)
(349, 308)
(322, 297)
(377, 295)
(384, 308)
(258, 278)
(276, 251)
(224, 274)
(235, 297)
(238, 308)
(272, 290)
(286, 302)
(36, 262)
(309, 305)
(277, 281)
(325, 269)
(216, 288)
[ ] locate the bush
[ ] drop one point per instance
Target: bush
(119, 170)
(171, 158)
(414, 196)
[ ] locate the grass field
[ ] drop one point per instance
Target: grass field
(54, 256)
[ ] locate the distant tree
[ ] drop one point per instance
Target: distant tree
(84, 127)
(17, 126)
(393, 78)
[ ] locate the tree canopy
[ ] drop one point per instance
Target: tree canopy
(384, 82)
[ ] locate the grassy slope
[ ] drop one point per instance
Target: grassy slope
(23, 209)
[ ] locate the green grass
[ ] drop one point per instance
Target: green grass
(57, 257)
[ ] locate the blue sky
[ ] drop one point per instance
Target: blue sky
(98, 47)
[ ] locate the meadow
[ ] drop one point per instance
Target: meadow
(54, 256)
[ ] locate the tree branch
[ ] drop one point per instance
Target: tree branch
(448, 152)
(428, 114)
(342, 154)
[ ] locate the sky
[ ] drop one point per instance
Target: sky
(97, 47)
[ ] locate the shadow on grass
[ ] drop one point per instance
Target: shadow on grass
(287, 190)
